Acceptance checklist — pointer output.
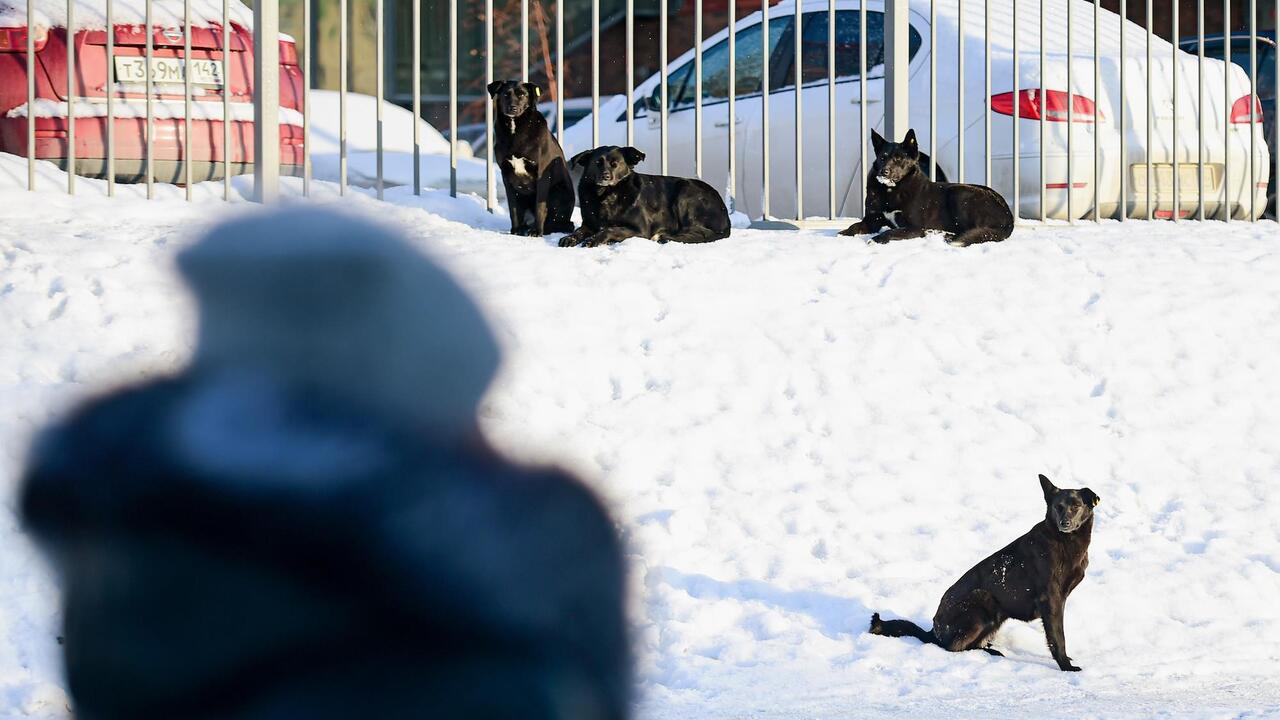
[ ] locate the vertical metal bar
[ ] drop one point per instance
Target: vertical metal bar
(1124, 127)
(1097, 133)
(491, 191)
(863, 135)
(226, 100)
(896, 61)
(697, 88)
(933, 88)
(524, 41)
(1177, 139)
(149, 163)
(31, 95)
(416, 79)
(798, 64)
(960, 91)
(560, 70)
(1146, 155)
(631, 70)
(186, 96)
(1041, 105)
(1253, 109)
(986, 92)
(1200, 108)
(379, 89)
(1071, 104)
(595, 73)
(306, 98)
(1017, 119)
(110, 87)
(764, 105)
(1226, 110)
(343, 52)
(266, 100)
(831, 108)
(453, 92)
(733, 92)
(71, 96)
(662, 62)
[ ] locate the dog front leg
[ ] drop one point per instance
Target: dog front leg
(608, 236)
(1052, 610)
(576, 237)
(540, 193)
(865, 226)
(513, 208)
(902, 233)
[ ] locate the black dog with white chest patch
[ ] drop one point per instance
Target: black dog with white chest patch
(539, 187)
(619, 203)
(900, 196)
(1029, 578)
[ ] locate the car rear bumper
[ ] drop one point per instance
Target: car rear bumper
(169, 149)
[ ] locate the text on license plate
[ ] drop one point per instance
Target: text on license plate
(168, 70)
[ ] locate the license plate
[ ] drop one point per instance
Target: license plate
(168, 70)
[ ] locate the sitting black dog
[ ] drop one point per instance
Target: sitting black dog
(1029, 578)
(619, 203)
(539, 187)
(901, 196)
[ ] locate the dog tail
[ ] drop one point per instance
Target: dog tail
(692, 235)
(901, 628)
(980, 235)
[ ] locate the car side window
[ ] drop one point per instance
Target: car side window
(748, 69)
(1266, 81)
(847, 46)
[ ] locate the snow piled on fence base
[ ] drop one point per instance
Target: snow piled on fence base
(795, 430)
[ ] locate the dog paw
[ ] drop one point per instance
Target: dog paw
(955, 242)
(1068, 667)
(568, 241)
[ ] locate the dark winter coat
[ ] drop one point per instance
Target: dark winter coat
(231, 548)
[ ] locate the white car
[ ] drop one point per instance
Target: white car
(1226, 127)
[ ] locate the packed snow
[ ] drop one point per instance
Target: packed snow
(793, 430)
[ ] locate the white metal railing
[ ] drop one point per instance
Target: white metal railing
(1081, 100)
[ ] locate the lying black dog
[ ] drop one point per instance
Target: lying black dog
(1029, 578)
(901, 196)
(539, 187)
(618, 203)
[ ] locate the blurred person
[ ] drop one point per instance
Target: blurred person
(304, 523)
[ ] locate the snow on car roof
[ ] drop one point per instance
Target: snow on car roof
(91, 14)
(1002, 14)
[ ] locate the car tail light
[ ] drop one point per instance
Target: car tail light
(288, 53)
(14, 39)
(1055, 105)
(1240, 109)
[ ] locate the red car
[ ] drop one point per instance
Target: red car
(206, 151)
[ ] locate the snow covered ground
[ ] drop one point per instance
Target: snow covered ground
(794, 430)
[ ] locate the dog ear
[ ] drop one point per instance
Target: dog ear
(1048, 487)
(877, 142)
(909, 142)
(494, 87)
(533, 89)
(632, 156)
(581, 158)
(1090, 497)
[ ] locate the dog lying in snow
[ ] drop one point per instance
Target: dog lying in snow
(900, 196)
(534, 174)
(1029, 578)
(619, 203)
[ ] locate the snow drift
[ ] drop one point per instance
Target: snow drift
(794, 430)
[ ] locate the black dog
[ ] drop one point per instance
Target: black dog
(618, 203)
(539, 187)
(901, 196)
(1029, 578)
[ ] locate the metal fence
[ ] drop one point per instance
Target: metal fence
(1074, 112)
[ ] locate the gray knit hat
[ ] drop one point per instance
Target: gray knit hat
(344, 305)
